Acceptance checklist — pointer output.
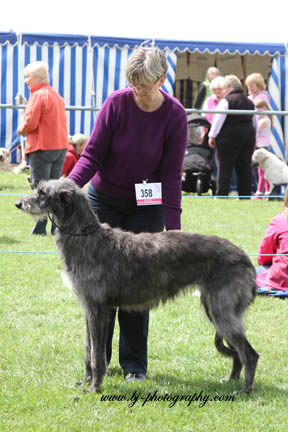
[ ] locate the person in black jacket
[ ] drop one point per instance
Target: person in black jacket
(234, 137)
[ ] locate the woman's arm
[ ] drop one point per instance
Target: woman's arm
(218, 119)
(171, 169)
(32, 114)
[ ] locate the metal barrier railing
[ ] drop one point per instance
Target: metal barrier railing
(188, 110)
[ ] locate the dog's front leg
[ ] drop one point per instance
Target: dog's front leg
(98, 323)
(88, 370)
(272, 186)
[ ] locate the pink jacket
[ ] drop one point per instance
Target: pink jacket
(45, 120)
(210, 103)
(275, 242)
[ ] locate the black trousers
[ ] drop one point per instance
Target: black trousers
(133, 326)
(235, 150)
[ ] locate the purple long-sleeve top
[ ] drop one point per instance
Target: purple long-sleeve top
(128, 145)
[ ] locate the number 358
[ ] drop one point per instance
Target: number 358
(146, 193)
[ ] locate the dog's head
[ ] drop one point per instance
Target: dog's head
(259, 157)
(3, 154)
(54, 196)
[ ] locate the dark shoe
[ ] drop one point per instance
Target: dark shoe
(140, 377)
(129, 377)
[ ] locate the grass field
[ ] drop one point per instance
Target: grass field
(42, 341)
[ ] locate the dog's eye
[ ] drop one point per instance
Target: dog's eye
(41, 193)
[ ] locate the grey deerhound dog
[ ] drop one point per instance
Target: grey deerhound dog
(109, 268)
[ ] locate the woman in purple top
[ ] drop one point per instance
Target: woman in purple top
(139, 137)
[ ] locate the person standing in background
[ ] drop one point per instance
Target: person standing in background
(212, 101)
(264, 126)
(234, 138)
(204, 89)
(45, 128)
(257, 87)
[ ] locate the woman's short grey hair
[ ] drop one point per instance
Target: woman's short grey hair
(232, 80)
(212, 70)
(216, 82)
(146, 65)
(38, 69)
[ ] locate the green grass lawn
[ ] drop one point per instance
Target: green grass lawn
(42, 340)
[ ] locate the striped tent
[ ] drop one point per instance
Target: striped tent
(277, 91)
(84, 70)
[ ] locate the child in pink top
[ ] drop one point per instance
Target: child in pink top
(257, 87)
(264, 126)
(273, 270)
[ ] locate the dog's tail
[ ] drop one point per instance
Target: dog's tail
(224, 350)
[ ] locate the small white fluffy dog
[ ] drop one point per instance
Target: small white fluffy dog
(3, 154)
(275, 170)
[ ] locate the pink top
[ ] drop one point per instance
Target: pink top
(263, 131)
(275, 242)
(210, 103)
(262, 94)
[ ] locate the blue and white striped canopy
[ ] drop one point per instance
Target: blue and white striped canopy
(84, 70)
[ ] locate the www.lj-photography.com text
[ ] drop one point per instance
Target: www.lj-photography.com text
(151, 397)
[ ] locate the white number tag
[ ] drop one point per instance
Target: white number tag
(148, 193)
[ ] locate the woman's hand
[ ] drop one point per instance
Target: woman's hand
(21, 130)
(212, 142)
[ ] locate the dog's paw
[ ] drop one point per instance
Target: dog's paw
(86, 380)
(240, 392)
(224, 380)
(92, 389)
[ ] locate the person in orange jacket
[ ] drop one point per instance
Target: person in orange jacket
(77, 144)
(45, 127)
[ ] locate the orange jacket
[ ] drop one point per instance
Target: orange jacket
(45, 121)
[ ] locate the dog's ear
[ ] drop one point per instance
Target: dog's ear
(67, 196)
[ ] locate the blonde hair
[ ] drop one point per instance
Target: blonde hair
(38, 69)
(78, 138)
(262, 103)
(146, 65)
(257, 79)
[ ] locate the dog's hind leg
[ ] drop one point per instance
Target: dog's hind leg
(222, 349)
(249, 357)
(229, 326)
(233, 332)
(229, 352)
(97, 318)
